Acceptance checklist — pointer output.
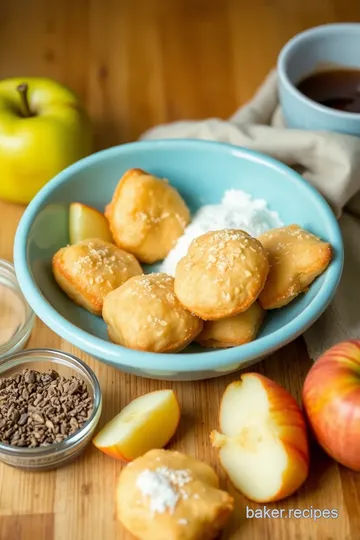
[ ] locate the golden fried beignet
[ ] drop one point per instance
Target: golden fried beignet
(232, 331)
(146, 215)
(222, 274)
(89, 270)
(296, 258)
(166, 495)
(145, 314)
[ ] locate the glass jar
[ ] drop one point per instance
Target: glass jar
(16, 316)
(57, 454)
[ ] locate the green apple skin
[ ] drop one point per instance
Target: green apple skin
(33, 149)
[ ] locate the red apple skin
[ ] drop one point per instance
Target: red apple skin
(287, 415)
(331, 397)
(115, 453)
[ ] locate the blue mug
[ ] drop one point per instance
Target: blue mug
(332, 44)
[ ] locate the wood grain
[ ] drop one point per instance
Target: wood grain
(136, 63)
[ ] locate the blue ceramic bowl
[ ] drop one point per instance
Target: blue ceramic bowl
(322, 47)
(201, 171)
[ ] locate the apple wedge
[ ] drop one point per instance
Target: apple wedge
(146, 423)
(263, 446)
(86, 222)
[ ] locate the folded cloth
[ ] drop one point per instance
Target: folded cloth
(329, 161)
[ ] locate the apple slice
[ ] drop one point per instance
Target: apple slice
(146, 423)
(86, 222)
(263, 446)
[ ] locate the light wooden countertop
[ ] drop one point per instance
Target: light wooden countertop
(137, 63)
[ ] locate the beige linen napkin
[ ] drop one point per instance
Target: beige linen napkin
(329, 161)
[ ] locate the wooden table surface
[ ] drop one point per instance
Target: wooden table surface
(136, 64)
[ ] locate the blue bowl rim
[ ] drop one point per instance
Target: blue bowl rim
(179, 362)
(323, 29)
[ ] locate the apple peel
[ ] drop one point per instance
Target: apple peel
(331, 398)
(263, 446)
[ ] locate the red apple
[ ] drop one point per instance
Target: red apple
(263, 446)
(331, 397)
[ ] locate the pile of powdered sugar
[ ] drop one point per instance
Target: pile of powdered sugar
(237, 210)
(164, 487)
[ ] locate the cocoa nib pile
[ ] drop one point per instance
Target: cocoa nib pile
(39, 409)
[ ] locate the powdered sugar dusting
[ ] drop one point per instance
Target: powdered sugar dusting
(237, 210)
(163, 486)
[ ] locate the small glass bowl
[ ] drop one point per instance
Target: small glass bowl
(22, 316)
(57, 454)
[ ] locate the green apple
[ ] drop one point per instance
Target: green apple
(43, 129)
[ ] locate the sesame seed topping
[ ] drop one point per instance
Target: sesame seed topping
(152, 218)
(214, 250)
(97, 257)
(226, 296)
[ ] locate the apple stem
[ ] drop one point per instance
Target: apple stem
(25, 108)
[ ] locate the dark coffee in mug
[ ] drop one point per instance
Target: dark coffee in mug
(335, 88)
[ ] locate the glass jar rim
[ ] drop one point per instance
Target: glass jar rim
(20, 336)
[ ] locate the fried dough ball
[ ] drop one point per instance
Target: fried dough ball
(232, 331)
(296, 258)
(144, 314)
(167, 495)
(222, 274)
(146, 215)
(89, 270)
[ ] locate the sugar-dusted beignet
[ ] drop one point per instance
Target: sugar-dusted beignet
(146, 215)
(144, 314)
(89, 270)
(234, 330)
(296, 258)
(166, 495)
(222, 274)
